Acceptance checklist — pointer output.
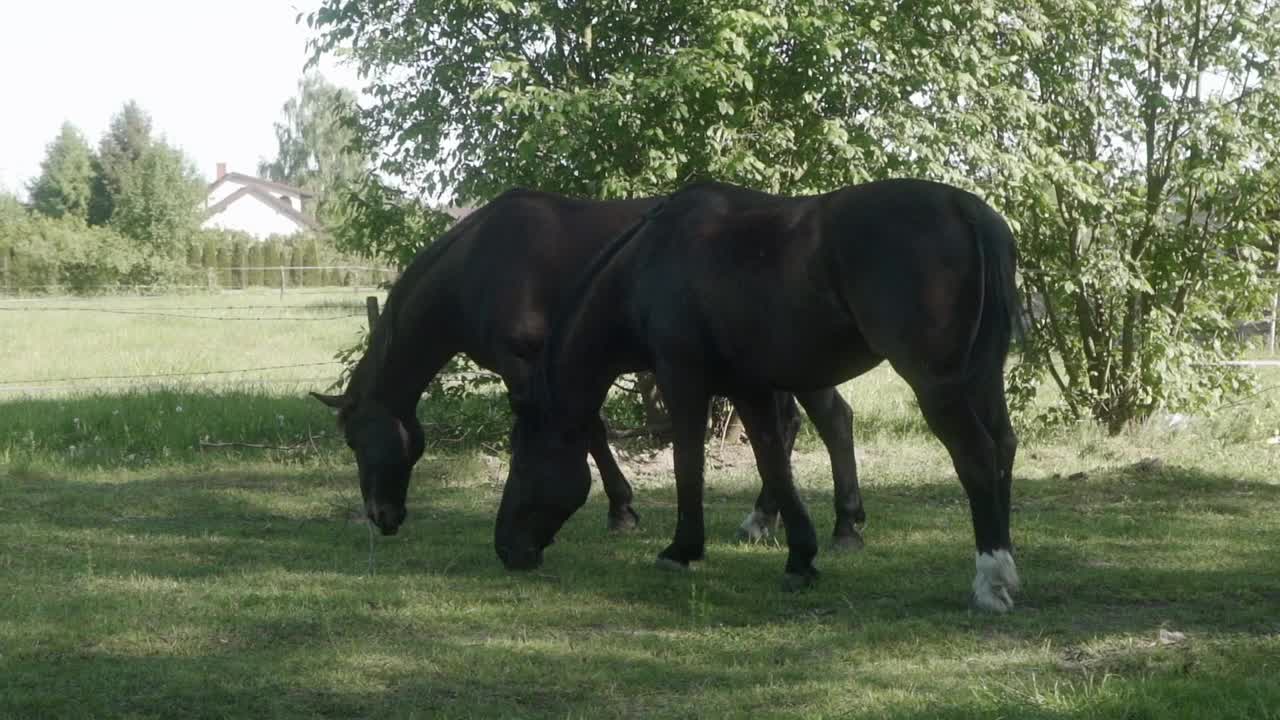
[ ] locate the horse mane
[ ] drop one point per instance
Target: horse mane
(543, 377)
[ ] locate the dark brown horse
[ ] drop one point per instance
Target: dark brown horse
(727, 291)
(487, 289)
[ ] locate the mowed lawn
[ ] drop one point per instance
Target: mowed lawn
(142, 575)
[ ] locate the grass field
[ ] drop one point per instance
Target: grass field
(145, 575)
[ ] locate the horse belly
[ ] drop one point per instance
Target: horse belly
(798, 354)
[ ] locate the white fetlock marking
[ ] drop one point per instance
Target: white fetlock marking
(997, 575)
(753, 526)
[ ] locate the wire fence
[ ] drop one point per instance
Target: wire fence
(277, 312)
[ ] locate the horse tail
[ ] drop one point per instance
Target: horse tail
(999, 309)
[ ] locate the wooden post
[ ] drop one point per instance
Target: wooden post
(282, 282)
(4, 268)
(209, 279)
(371, 307)
(1275, 305)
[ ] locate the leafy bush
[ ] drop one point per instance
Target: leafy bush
(65, 254)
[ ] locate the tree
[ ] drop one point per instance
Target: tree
(66, 177)
(1130, 144)
(158, 200)
(1146, 199)
(119, 151)
(316, 143)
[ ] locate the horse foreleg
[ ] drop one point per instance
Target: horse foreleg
(763, 415)
(687, 403)
(621, 515)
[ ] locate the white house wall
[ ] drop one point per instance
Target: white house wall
(221, 192)
(248, 214)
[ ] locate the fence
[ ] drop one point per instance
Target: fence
(212, 377)
(289, 278)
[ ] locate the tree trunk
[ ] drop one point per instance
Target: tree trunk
(655, 411)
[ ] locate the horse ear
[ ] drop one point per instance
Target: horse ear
(405, 443)
(337, 402)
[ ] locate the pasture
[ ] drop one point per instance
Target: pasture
(193, 548)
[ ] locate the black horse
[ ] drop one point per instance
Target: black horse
(728, 291)
(487, 288)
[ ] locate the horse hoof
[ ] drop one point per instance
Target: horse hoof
(791, 582)
(997, 601)
(996, 576)
(625, 521)
(848, 543)
(754, 528)
(666, 563)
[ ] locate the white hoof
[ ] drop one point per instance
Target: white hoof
(997, 576)
(754, 528)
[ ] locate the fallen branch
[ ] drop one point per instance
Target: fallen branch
(253, 446)
(646, 431)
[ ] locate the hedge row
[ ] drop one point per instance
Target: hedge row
(232, 259)
(44, 255)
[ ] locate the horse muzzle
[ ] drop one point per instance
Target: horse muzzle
(387, 518)
(525, 558)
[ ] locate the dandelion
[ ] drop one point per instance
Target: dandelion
(178, 409)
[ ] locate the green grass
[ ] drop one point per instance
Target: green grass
(143, 576)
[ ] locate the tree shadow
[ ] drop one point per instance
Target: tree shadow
(1128, 546)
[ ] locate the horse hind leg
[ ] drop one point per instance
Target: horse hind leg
(765, 423)
(951, 416)
(833, 419)
(762, 522)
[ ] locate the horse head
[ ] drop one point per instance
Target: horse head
(547, 483)
(386, 448)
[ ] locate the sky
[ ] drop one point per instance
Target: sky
(212, 75)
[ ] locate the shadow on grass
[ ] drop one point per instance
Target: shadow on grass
(1145, 542)
(293, 624)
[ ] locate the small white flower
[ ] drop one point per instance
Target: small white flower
(115, 412)
(280, 420)
(75, 421)
(178, 409)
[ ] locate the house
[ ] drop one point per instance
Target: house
(258, 207)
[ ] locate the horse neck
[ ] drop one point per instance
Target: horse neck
(592, 348)
(402, 358)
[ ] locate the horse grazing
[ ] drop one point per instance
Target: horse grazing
(728, 291)
(487, 288)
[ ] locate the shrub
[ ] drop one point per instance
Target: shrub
(253, 258)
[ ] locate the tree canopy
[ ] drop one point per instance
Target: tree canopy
(1131, 144)
(65, 183)
(316, 143)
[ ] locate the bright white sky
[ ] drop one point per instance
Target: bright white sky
(213, 75)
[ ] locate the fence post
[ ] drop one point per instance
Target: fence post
(371, 308)
(4, 268)
(208, 280)
(1275, 305)
(282, 281)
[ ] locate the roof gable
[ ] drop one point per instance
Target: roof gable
(265, 198)
(267, 185)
